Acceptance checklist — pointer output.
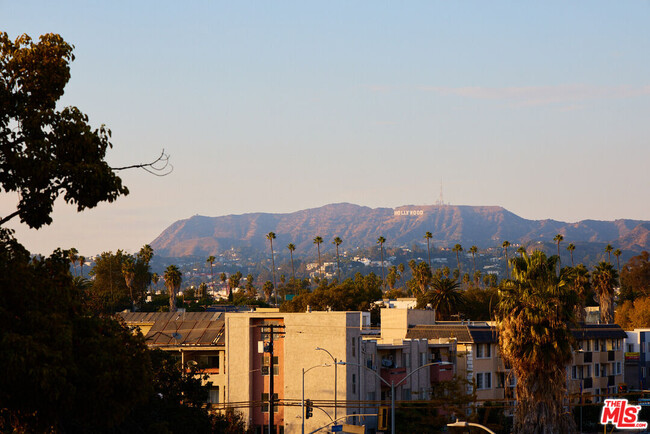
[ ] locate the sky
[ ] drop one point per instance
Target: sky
(539, 107)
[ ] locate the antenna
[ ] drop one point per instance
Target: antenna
(440, 201)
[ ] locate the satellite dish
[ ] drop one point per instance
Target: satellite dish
(177, 336)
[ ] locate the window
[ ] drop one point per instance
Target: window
(406, 359)
(354, 347)
(423, 359)
(587, 345)
(265, 403)
(603, 370)
(574, 372)
(643, 347)
(266, 364)
(597, 370)
(630, 348)
(587, 371)
(643, 372)
(596, 345)
(484, 380)
(406, 394)
(354, 383)
(209, 362)
(483, 351)
(618, 368)
(213, 397)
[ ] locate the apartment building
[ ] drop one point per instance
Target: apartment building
(195, 337)
(637, 358)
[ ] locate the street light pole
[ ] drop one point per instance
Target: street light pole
(392, 386)
(335, 377)
(459, 424)
(302, 401)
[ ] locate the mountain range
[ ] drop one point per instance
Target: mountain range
(360, 226)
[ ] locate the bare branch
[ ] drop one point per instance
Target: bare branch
(9, 217)
(159, 167)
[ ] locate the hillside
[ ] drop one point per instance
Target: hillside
(359, 226)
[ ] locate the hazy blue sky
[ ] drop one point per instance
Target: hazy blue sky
(542, 108)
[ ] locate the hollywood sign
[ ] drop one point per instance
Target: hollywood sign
(409, 212)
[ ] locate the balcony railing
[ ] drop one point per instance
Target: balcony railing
(441, 372)
(393, 375)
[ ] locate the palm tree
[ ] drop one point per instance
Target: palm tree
(534, 317)
(421, 275)
(458, 248)
(558, 238)
(473, 251)
(618, 253)
(505, 246)
(604, 279)
(428, 236)
(173, 279)
(271, 236)
(445, 297)
(223, 278)
(317, 241)
(72, 255)
(291, 248)
(381, 241)
(128, 270)
(155, 278)
(571, 247)
(82, 260)
(337, 241)
(521, 250)
(210, 261)
(608, 249)
(579, 279)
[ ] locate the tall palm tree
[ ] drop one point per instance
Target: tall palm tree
(505, 246)
(618, 253)
(223, 278)
(271, 236)
(317, 241)
(521, 250)
(210, 261)
(428, 236)
(155, 278)
(82, 260)
(558, 238)
(579, 279)
(473, 251)
(604, 278)
(381, 241)
(534, 318)
(291, 248)
(458, 248)
(173, 279)
(337, 241)
(571, 247)
(73, 256)
(608, 249)
(128, 271)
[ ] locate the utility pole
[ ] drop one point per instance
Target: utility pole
(268, 348)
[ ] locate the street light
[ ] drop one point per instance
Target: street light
(459, 424)
(302, 402)
(335, 376)
(392, 386)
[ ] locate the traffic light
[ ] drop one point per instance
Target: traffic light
(622, 388)
(309, 409)
(382, 419)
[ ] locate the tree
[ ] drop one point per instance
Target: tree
(428, 237)
(292, 248)
(558, 239)
(421, 277)
(618, 253)
(233, 280)
(128, 271)
(608, 250)
(604, 278)
(381, 241)
(72, 256)
(534, 317)
(55, 353)
(267, 288)
(251, 292)
(337, 241)
(318, 240)
(82, 260)
(634, 314)
(210, 261)
(635, 277)
(571, 247)
(458, 248)
(505, 246)
(173, 279)
(521, 250)
(473, 251)
(444, 296)
(271, 236)
(579, 279)
(47, 153)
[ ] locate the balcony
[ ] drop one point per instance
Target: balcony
(443, 371)
(588, 383)
(587, 357)
(611, 356)
(393, 375)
